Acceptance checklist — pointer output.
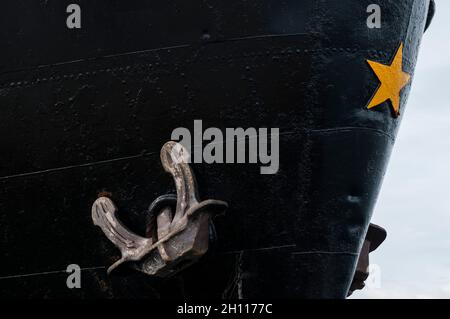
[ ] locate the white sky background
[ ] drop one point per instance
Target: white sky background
(414, 204)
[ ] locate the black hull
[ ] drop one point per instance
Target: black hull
(69, 130)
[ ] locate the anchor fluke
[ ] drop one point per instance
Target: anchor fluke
(178, 233)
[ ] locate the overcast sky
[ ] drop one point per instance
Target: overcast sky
(414, 204)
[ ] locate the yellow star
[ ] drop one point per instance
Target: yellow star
(392, 79)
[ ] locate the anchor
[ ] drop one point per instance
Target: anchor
(173, 240)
